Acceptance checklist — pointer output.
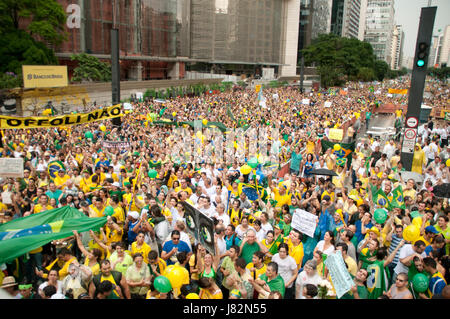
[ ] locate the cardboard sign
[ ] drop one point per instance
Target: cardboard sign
(11, 167)
(304, 222)
(342, 281)
(336, 134)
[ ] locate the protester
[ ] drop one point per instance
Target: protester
(148, 176)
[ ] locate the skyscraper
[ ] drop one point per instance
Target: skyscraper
(348, 18)
(379, 28)
(398, 37)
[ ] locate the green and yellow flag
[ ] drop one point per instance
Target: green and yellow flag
(22, 235)
(380, 199)
(398, 199)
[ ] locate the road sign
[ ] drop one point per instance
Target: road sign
(411, 121)
(409, 140)
(410, 134)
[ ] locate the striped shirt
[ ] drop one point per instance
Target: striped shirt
(394, 243)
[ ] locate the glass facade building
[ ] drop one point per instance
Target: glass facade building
(158, 36)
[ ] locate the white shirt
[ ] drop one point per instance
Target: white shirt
(266, 227)
(302, 280)
(329, 250)
(224, 218)
(208, 211)
(285, 267)
(405, 251)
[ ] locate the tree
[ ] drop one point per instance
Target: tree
(381, 69)
(340, 59)
(25, 26)
(90, 68)
(44, 19)
(439, 73)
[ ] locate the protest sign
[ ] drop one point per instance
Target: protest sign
(115, 145)
(304, 222)
(11, 167)
(305, 101)
(200, 226)
(336, 134)
(340, 277)
(327, 104)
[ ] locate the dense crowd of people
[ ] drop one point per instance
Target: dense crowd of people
(143, 187)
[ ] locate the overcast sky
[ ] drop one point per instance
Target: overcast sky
(407, 14)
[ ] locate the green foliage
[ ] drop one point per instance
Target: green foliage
(18, 48)
(45, 19)
(90, 68)
(381, 69)
(340, 59)
(10, 80)
(439, 73)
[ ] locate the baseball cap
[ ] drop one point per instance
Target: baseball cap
(375, 230)
(326, 197)
(117, 184)
(431, 229)
(133, 214)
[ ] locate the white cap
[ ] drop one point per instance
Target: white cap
(58, 296)
(134, 214)
(117, 184)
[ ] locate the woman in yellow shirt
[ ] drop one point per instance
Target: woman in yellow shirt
(92, 257)
(209, 289)
(139, 246)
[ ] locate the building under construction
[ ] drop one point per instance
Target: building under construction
(162, 39)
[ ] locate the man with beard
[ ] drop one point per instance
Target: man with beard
(77, 281)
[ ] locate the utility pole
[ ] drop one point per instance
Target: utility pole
(419, 74)
(115, 66)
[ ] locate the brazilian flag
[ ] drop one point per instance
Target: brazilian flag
(398, 200)
(22, 235)
(341, 161)
(380, 199)
(345, 152)
(54, 167)
(252, 191)
(153, 163)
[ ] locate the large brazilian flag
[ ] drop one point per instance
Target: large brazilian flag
(22, 235)
(345, 153)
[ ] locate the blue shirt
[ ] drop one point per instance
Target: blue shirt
(131, 234)
(358, 234)
(168, 246)
(54, 195)
(232, 240)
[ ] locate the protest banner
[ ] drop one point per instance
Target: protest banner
(115, 145)
(398, 91)
(200, 226)
(336, 134)
(9, 122)
(11, 167)
(304, 222)
(340, 277)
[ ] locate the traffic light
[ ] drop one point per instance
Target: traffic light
(422, 54)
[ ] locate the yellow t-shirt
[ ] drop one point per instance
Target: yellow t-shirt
(351, 266)
(119, 214)
(64, 271)
(112, 235)
(258, 272)
(205, 294)
(144, 250)
(187, 189)
(296, 252)
(281, 199)
(39, 208)
(94, 212)
(95, 269)
(61, 180)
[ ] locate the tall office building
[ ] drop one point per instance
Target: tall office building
(440, 49)
(379, 28)
(348, 18)
(398, 37)
(158, 38)
(315, 19)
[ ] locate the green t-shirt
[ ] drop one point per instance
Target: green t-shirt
(276, 284)
(248, 250)
(362, 292)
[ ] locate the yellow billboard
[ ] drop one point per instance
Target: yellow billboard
(44, 76)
